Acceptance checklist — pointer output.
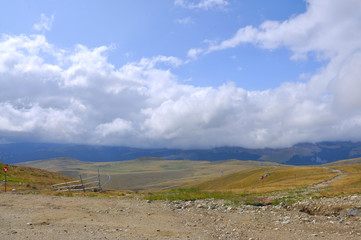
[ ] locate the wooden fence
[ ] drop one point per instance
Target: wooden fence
(90, 183)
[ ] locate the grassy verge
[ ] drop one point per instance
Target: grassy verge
(231, 198)
(189, 194)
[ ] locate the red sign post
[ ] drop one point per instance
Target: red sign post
(5, 169)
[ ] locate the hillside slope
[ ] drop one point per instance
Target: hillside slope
(27, 179)
(274, 179)
(344, 162)
(147, 173)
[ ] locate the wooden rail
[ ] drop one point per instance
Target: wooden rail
(83, 184)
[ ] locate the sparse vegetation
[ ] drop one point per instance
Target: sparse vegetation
(148, 173)
(278, 179)
(25, 179)
(243, 196)
(281, 184)
(189, 194)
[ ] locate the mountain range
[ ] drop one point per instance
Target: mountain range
(299, 154)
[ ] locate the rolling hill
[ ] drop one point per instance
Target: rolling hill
(344, 162)
(341, 177)
(147, 173)
(274, 179)
(231, 175)
(28, 179)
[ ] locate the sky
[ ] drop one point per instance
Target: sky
(180, 73)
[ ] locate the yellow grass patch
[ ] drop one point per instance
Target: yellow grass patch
(277, 179)
(349, 184)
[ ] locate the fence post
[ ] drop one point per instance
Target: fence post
(100, 187)
(82, 185)
(67, 186)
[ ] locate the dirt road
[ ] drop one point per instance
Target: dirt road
(326, 183)
(53, 217)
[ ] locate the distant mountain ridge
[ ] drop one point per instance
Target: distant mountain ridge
(299, 154)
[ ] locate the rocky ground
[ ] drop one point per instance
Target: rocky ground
(54, 217)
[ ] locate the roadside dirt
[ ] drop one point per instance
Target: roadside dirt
(54, 217)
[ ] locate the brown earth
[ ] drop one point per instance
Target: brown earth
(54, 217)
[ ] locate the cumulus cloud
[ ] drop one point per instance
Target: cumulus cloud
(46, 23)
(202, 4)
(326, 28)
(77, 95)
(117, 126)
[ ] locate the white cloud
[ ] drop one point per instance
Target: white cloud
(194, 52)
(49, 94)
(202, 4)
(46, 23)
(117, 126)
(152, 62)
(326, 28)
(185, 21)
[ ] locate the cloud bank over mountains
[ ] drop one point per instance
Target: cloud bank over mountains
(56, 95)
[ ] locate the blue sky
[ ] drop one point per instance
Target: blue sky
(182, 73)
(137, 29)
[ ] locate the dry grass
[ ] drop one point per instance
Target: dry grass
(148, 173)
(351, 161)
(284, 182)
(278, 179)
(349, 184)
(25, 179)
